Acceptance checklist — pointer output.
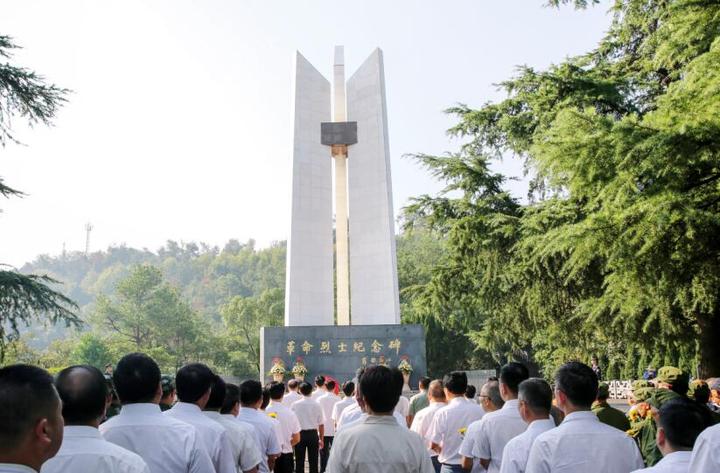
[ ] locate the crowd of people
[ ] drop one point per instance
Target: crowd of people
(143, 422)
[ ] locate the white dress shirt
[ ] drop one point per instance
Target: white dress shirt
(422, 421)
(264, 434)
(492, 433)
(515, 454)
(289, 424)
(706, 453)
(349, 415)
(378, 445)
(402, 422)
(166, 444)
(403, 406)
(84, 450)
(15, 468)
(317, 393)
(327, 402)
(675, 462)
(242, 439)
(290, 398)
(447, 425)
(340, 407)
(308, 412)
(212, 434)
(581, 443)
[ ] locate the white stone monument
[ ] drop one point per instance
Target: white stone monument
(356, 140)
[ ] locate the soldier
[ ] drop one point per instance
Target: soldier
(168, 392)
(607, 414)
(700, 392)
(671, 383)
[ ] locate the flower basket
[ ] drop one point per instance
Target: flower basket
(299, 370)
(406, 369)
(278, 370)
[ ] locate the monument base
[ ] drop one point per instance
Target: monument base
(339, 350)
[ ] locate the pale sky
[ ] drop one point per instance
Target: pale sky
(179, 124)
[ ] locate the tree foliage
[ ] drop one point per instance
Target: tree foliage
(616, 252)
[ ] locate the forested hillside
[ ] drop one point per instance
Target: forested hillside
(192, 301)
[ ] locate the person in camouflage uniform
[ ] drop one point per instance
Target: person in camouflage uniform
(671, 383)
(168, 392)
(607, 414)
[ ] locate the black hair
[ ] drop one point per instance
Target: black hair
(136, 378)
(305, 388)
(277, 390)
(265, 398)
(319, 381)
(537, 394)
(683, 420)
(381, 387)
(293, 384)
(470, 391)
(250, 392)
(193, 381)
(84, 391)
(456, 382)
(217, 395)
(512, 374)
(232, 397)
(424, 382)
(330, 385)
(579, 383)
(348, 388)
(27, 395)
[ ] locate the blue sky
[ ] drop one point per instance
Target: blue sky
(179, 124)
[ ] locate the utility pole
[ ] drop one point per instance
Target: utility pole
(88, 229)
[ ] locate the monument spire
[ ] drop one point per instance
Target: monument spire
(339, 153)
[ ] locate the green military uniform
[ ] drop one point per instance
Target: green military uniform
(648, 430)
(607, 414)
(168, 385)
(114, 407)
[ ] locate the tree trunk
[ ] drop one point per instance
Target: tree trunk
(709, 365)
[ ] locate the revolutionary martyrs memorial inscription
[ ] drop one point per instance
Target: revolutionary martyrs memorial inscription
(339, 351)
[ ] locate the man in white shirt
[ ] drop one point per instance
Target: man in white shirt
(85, 398)
(327, 402)
(581, 443)
(349, 400)
(193, 384)
(451, 422)
(379, 444)
(292, 394)
(320, 388)
(245, 453)
(706, 453)
(312, 430)
(166, 444)
(422, 420)
(251, 398)
(289, 426)
(680, 421)
(534, 404)
(403, 408)
(496, 428)
(31, 423)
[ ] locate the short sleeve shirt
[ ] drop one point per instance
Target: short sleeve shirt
(493, 432)
(449, 426)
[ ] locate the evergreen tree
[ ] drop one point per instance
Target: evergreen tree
(25, 298)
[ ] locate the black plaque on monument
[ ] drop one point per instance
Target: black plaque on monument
(339, 350)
